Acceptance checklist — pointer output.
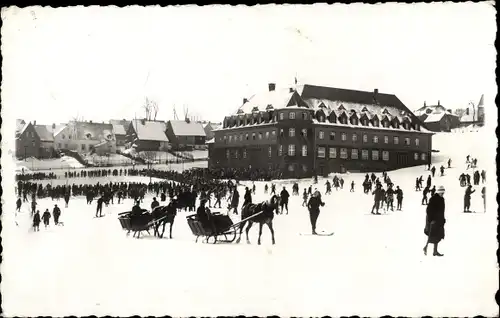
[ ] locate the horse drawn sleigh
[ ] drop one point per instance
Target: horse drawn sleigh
(142, 220)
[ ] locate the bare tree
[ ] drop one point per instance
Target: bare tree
(150, 108)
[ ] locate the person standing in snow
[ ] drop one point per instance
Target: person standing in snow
(253, 188)
(154, 204)
(235, 201)
(390, 198)
(483, 195)
(399, 198)
(328, 187)
(36, 221)
(304, 197)
(313, 207)
(247, 197)
(266, 188)
(442, 170)
(33, 206)
(467, 195)
(273, 189)
(483, 176)
(433, 171)
(56, 212)
(46, 217)
(435, 221)
(98, 212)
(377, 197)
(284, 196)
(18, 204)
(424, 195)
(449, 163)
(352, 187)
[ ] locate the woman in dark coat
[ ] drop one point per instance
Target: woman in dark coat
(434, 223)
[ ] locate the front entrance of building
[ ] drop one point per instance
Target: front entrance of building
(402, 159)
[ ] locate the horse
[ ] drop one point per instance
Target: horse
(266, 217)
(163, 215)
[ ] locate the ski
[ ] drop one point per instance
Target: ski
(322, 233)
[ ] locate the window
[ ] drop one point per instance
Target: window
(69, 136)
(321, 134)
(291, 115)
(304, 132)
(267, 134)
(63, 136)
(364, 122)
(269, 151)
(417, 127)
(333, 152)
(385, 155)
(364, 154)
(236, 154)
(344, 136)
(321, 119)
(304, 151)
(343, 153)
(291, 150)
(260, 136)
(280, 150)
(374, 154)
(282, 116)
(241, 137)
(230, 138)
(415, 156)
(253, 136)
(66, 146)
(424, 157)
(407, 141)
(291, 168)
(365, 138)
(375, 122)
(244, 153)
(375, 139)
(332, 135)
(59, 144)
(354, 137)
(291, 132)
(354, 154)
(304, 116)
(83, 146)
(386, 139)
(246, 136)
(273, 133)
(396, 140)
(321, 152)
(282, 133)
(385, 124)
(417, 142)
(227, 153)
(354, 121)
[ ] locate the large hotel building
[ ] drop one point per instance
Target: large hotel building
(307, 130)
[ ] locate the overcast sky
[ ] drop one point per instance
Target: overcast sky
(100, 63)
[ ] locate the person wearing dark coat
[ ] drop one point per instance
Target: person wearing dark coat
(433, 171)
(98, 212)
(235, 201)
(205, 216)
(247, 197)
(154, 204)
(46, 217)
(313, 207)
(284, 195)
(18, 204)
(56, 212)
(483, 195)
(163, 197)
(468, 193)
(36, 221)
(399, 198)
(377, 197)
(435, 220)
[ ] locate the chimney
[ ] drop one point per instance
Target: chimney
(291, 89)
(272, 87)
(53, 126)
(245, 100)
(425, 104)
(90, 121)
(34, 122)
(439, 103)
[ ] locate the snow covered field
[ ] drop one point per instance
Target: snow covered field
(371, 266)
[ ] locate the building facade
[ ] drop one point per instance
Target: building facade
(186, 135)
(437, 118)
(27, 140)
(85, 137)
(308, 130)
(46, 134)
(147, 135)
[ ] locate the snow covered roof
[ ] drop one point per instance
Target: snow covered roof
(120, 126)
(274, 99)
(20, 125)
(211, 141)
(183, 128)
(45, 132)
(150, 130)
(91, 131)
(426, 110)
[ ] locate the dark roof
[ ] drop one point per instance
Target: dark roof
(44, 132)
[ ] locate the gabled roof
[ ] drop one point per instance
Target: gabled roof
(91, 131)
(45, 132)
(429, 109)
(278, 98)
(20, 125)
(119, 126)
(150, 130)
(183, 128)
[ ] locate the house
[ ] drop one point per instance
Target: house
(85, 137)
(209, 128)
(184, 134)
(46, 134)
(474, 115)
(147, 135)
(120, 130)
(437, 117)
(307, 130)
(27, 140)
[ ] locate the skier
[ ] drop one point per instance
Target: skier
(328, 187)
(284, 195)
(449, 163)
(442, 170)
(33, 206)
(467, 195)
(352, 187)
(56, 212)
(435, 221)
(266, 188)
(36, 221)
(483, 195)
(399, 198)
(18, 204)
(341, 183)
(433, 171)
(390, 198)
(433, 190)
(313, 207)
(163, 197)
(273, 189)
(253, 188)
(424, 197)
(46, 217)
(377, 197)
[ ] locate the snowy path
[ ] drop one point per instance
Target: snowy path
(371, 266)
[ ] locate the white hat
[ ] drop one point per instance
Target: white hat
(440, 189)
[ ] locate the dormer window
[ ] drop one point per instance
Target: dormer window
(282, 116)
(386, 112)
(341, 107)
(321, 119)
(428, 111)
(304, 116)
(364, 109)
(291, 115)
(354, 121)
